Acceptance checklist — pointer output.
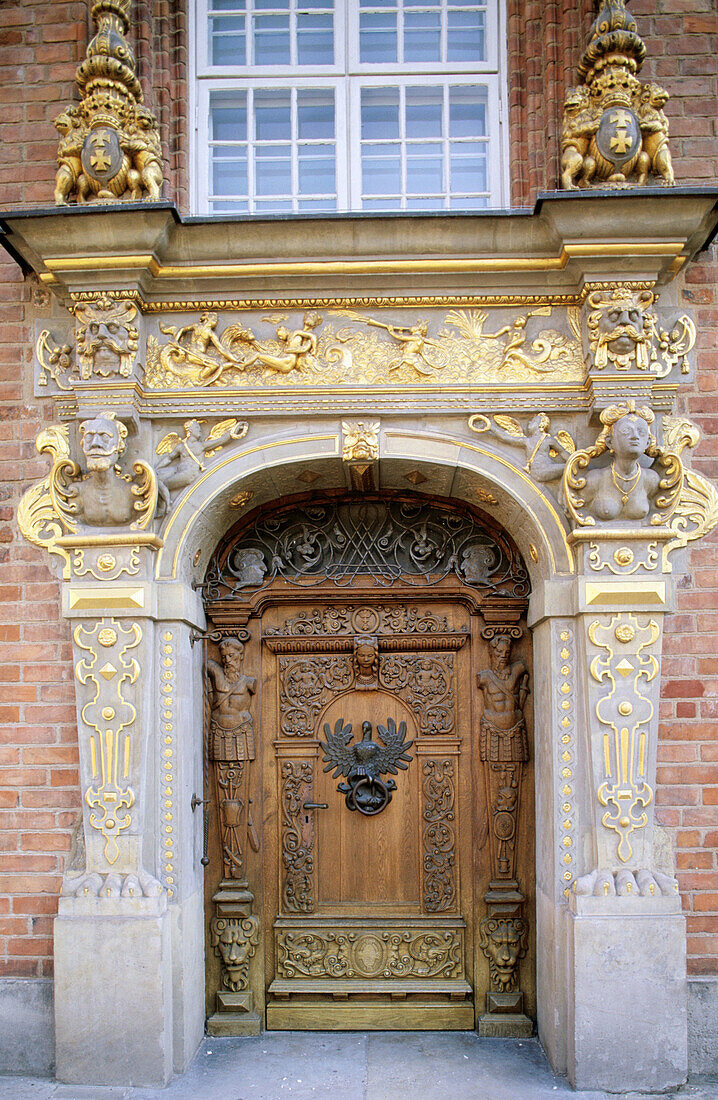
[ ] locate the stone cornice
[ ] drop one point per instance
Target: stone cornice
(569, 240)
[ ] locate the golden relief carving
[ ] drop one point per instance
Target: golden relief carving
(107, 340)
(343, 346)
(624, 333)
(109, 145)
(626, 714)
(183, 458)
(109, 716)
(614, 127)
(56, 361)
(37, 517)
(360, 440)
(696, 513)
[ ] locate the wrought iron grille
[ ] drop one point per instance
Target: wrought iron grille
(377, 540)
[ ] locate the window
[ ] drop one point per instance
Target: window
(309, 106)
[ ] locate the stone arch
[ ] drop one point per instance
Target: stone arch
(205, 510)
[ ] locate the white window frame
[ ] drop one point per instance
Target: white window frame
(347, 82)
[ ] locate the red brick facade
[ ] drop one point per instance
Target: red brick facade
(41, 44)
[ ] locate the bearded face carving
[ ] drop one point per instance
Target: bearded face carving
(504, 941)
(235, 940)
(620, 329)
(107, 341)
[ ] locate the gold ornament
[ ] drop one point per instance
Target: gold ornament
(614, 128)
(109, 146)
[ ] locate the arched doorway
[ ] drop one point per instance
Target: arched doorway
(368, 752)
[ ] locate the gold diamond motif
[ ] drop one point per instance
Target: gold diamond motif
(108, 671)
(624, 667)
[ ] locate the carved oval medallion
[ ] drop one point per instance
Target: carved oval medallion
(101, 154)
(369, 956)
(619, 135)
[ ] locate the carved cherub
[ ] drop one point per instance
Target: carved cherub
(541, 448)
(183, 457)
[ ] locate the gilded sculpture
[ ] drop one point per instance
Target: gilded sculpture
(624, 333)
(106, 337)
(109, 146)
(231, 749)
(542, 449)
(614, 128)
(183, 458)
(627, 489)
(326, 350)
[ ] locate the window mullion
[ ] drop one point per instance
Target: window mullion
(294, 148)
(402, 143)
(251, 160)
(446, 144)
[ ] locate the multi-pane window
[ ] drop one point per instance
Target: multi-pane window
(313, 106)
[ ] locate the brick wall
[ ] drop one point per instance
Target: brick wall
(41, 43)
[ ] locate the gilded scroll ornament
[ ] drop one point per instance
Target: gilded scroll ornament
(624, 333)
(625, 712)
(106, 337)
(231, 749)
(344, 346)
(109, 147)
(614, 128)
(39, 520)
(56, 361)
(110, 717)
(546, 454)
(183, 458)
(624, 490)
(696, 513)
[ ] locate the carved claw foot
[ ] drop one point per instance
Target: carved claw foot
(625, 883)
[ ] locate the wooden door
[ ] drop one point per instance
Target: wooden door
(370, 909)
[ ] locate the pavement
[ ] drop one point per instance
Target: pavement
(380, 1065)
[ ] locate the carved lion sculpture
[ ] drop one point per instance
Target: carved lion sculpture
(580, 123)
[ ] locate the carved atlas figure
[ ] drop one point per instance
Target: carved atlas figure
(231, 748)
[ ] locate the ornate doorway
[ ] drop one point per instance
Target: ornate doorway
(369, 772)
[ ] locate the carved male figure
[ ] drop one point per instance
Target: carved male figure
(104, 496)
(505, 687)
(106, 338)
(231, 745)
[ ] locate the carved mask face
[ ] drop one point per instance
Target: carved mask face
(500, 649)
(621, 327)
(629, 437)
(105, 342)
(504, 943)
(365, 657)
(100, 443)
(234, 947)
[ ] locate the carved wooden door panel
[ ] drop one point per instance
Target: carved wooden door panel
(371, 907)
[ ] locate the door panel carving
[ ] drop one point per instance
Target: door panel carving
(297, 837)
(439, 790)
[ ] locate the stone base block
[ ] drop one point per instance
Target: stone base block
(627, 1004)
(27, 1044)
(113, 999)
(234, 1023)
(505, 1025)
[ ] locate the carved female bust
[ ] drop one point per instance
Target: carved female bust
(624, 489)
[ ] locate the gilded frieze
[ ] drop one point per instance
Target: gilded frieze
(347, 346)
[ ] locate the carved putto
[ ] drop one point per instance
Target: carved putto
(107, 340)
(109, 145)
(184, 457)
(614, 128)
(624, 333)
(546, 453)
(627, 488)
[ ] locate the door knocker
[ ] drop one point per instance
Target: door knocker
(364, 762)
